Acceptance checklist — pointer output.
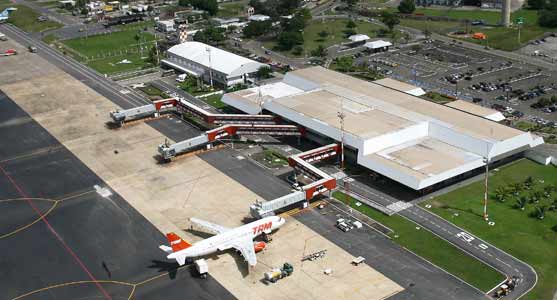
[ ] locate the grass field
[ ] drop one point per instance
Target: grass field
(104, 52)
(112, 65)
(26, 19)
(215, 101)
(432, 248)
(108, 43)
(335, 30)
(439, 27)
(527, 238)
(490, 17)
(498, 37)
(231, 9)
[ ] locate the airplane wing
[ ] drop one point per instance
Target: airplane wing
(245, 246)
(214, 228)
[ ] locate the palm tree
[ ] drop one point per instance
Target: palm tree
(540, 211)
(553, 206)
(535, 197)
(516, 188)
(529, 182)
(500, 194)
(548, 189)
(521, 202)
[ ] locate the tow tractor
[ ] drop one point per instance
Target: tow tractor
(276, 274)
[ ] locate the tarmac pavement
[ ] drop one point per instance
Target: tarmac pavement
(65, 234)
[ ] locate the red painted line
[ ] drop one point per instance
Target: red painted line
(66, 247)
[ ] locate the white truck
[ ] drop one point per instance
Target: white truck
(181, 77)
(202, 268)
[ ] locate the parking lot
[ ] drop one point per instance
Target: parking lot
(506, 85)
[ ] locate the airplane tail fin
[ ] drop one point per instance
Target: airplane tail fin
(176, 242)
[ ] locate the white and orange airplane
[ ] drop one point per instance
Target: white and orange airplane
(239, 238)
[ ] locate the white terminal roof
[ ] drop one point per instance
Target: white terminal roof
(413, 141)
(220, 60)
(477, 110)
(377, 44)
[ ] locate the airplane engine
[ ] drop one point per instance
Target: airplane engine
(258, 246)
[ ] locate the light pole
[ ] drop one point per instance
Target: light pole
(210, 68)
(341, 115)
(486, 161)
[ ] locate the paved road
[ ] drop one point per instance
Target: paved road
(489, 254)
(421, 279)
(125, 98)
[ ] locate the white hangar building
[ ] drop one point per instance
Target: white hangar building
(198, 59)
(410, 140)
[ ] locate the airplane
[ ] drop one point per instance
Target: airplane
(239, 238)
(6, 14)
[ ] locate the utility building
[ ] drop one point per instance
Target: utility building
(391, 131)
(210, 63)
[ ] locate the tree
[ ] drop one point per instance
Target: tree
(351, 24)
(536, 4)
(521, 203)
(80, 4)
(540, 212)
(536, 197)
(500, 194)
(407, 6)
(320, 51)
(263, 72)
(153, 56)
(528, 182)
(297, 50)
(427, 33)
(288, 39)
(390, 20)
(345, 63)
(210, 35)
(210, 6)
(350, 3)
(323, 34)
(257, 28)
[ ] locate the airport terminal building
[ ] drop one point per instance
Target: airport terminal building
(394, 133)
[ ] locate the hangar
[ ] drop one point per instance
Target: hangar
(204, 61)
(394, 133)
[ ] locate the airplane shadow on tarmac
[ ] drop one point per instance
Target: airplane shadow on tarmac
(238, 258)
(165, 266)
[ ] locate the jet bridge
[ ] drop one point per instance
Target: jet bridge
(322, 183)
(179, 105)
(169, 151)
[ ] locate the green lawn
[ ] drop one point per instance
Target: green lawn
(527, 238)
(104, 52)
(439, 27)
(335, 30)
(109, 43)
(432, 248)
(507, 38)
(111, 65)
(490, 17)
(231, 9)
(498, 37)
(437, 98)
(26, 19)
(215, 101)
(525, 126)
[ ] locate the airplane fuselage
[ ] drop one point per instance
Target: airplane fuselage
(226, 239)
